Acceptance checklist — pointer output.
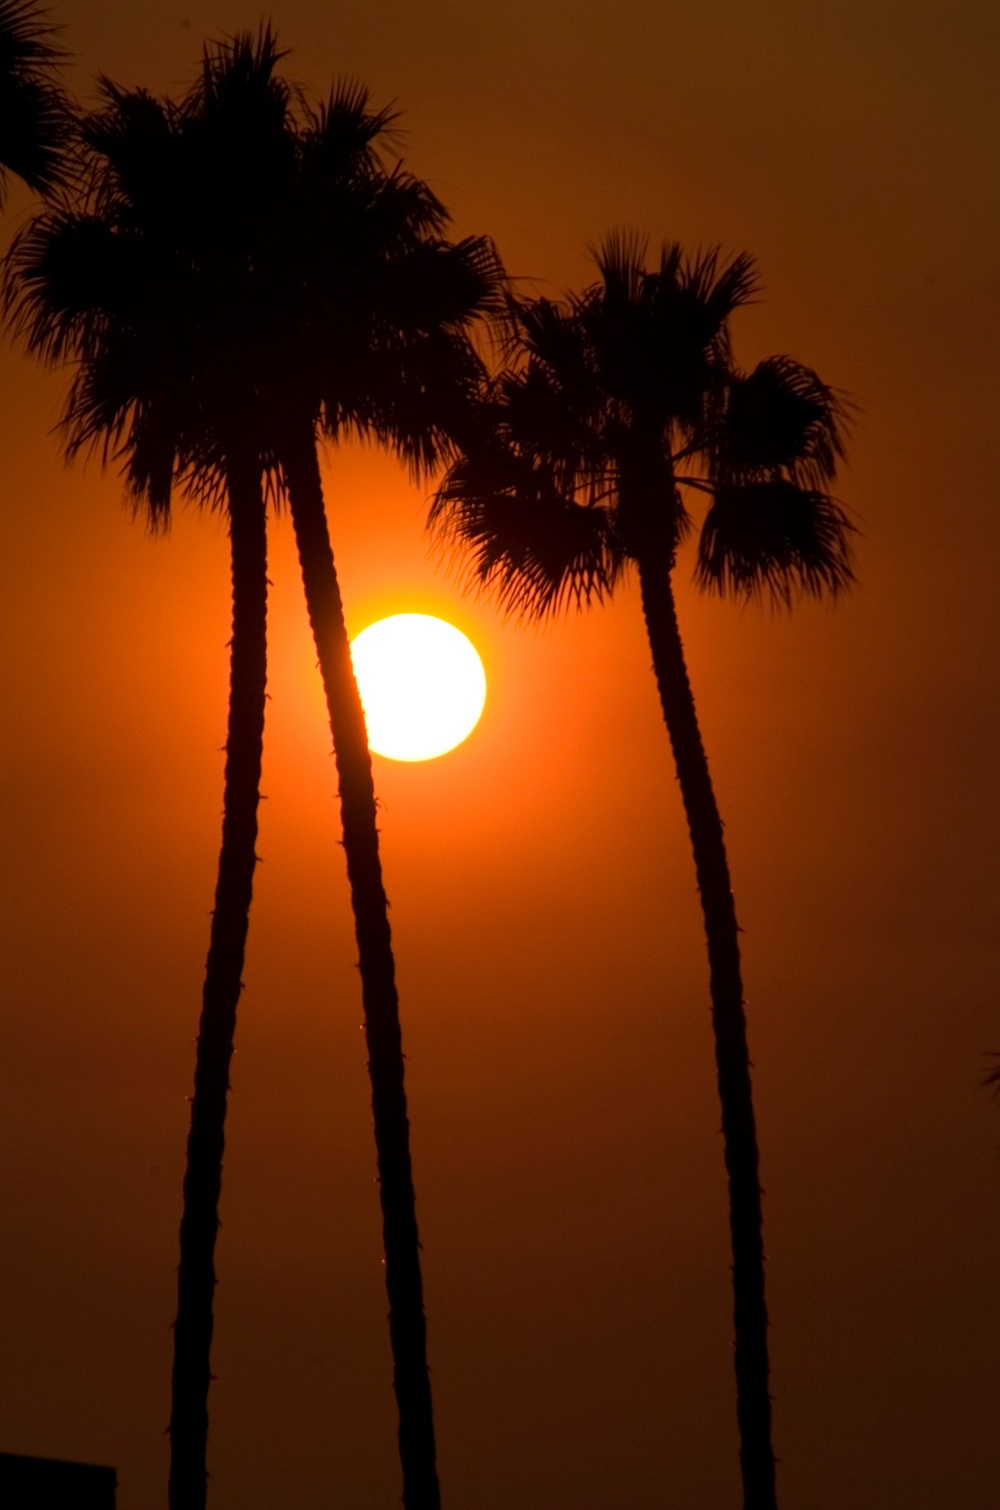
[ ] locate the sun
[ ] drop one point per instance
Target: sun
(422, 685)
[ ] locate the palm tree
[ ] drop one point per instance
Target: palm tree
(85, 285)
(35, 114)
(396, 363)
(620, 401)
(252, 268)
(360, 317)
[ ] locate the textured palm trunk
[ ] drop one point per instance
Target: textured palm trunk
(407, 1326)
(729, 1024)
(223, 984)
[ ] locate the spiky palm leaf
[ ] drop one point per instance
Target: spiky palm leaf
(772, 527)
(36, 118)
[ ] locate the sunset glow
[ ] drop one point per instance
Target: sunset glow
(422, 685)
(485, 1041)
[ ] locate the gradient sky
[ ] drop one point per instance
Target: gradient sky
(553, 978)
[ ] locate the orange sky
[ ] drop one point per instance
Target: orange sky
(552, 971)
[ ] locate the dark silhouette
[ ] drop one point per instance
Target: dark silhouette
(223, 983)
(36, 118)
(617, 399)
(90, 282)
(27, 1483)
(85, 284)
(246, 268)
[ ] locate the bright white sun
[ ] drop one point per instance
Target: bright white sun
(422, 685)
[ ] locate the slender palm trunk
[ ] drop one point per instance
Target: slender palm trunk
(729, 1023)
(223, 984)
(407, 1326)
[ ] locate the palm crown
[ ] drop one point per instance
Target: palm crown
(242, 256)
(620, 403)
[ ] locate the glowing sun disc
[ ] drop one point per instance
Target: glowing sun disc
(422, 685)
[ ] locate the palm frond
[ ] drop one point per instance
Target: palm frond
(543, 420)
(62, 275)
(621, 261)
(239, 79)
(346, 126)
(780, 419)
(776, 538)
(721, 285)
(706, 291)
(36, 116)
(433, 284)
(150, 457)
(26, 38)
(529, 546)
(130, 154)
(557, 351)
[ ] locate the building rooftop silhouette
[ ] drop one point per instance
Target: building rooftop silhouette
(50, 1484)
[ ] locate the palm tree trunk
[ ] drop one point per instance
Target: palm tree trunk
(223, 984)
(407, 1325)
(729, 1023)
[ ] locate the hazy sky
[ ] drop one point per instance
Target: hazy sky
(553, 978)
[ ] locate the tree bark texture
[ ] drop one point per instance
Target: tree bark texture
(407, 1325)
(223, 984)
(729, 1025)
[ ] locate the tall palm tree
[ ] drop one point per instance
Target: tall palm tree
(393, 360)
(360, 317)
(619, 404)
(35, 114)
(247, 268)
(85, 284)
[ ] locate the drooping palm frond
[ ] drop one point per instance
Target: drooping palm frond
(773, 537)
(773, 528)
(449, 284)
(75, 291)
(524, 540)
(47, 294)
(415, 396)
(36, 116)
(780, 419)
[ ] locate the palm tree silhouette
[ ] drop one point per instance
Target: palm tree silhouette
(617, 399)
(35, 113)
(360, 319)
(90, 284)
(246, 268)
